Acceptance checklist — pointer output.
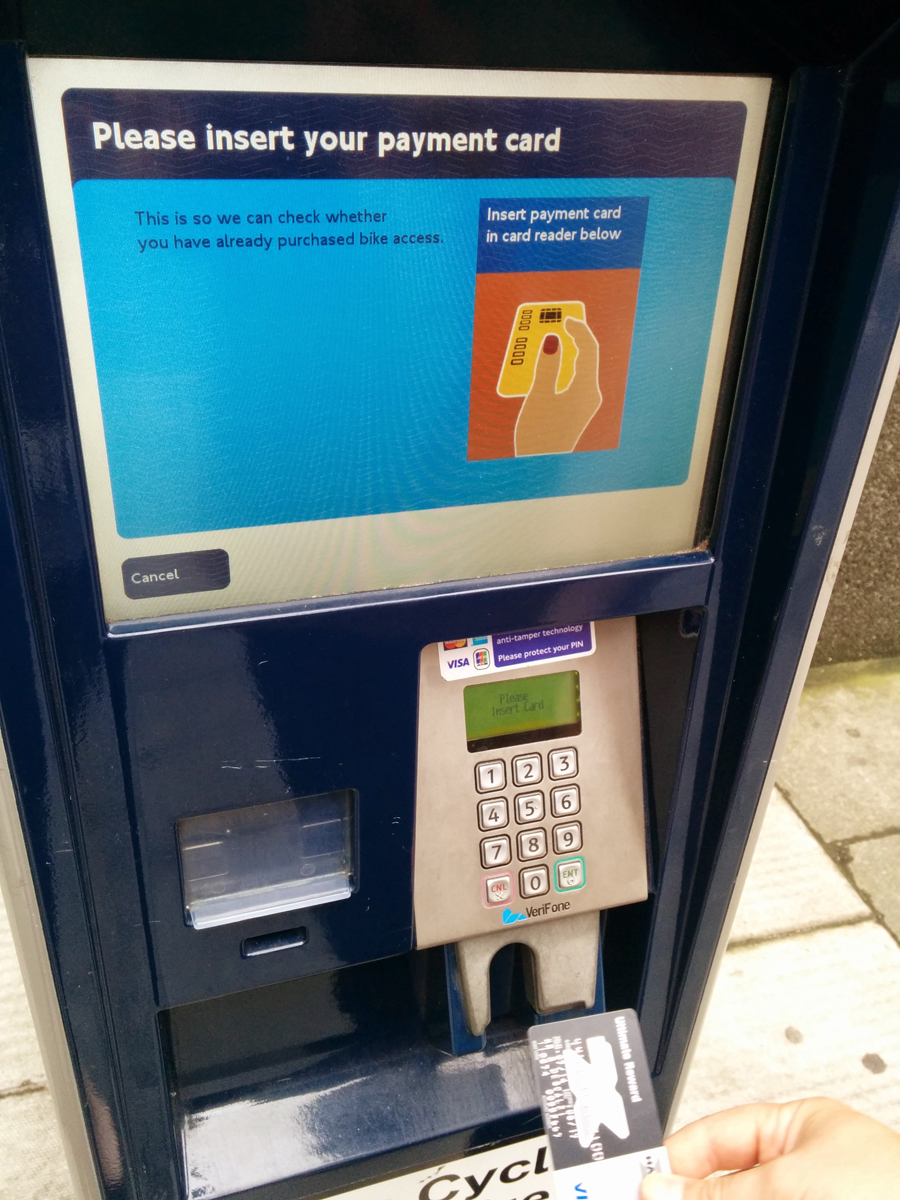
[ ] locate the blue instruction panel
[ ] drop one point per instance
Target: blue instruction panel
(350, 339)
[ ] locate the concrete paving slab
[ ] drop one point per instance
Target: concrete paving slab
(792, 884)
(20, 1058)
(875, 866)
(32, 1165)
(841, 768)
(814, 1014)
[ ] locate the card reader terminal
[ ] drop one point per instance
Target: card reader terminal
(529, 802)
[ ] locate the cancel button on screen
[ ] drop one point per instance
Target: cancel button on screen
(171, 574)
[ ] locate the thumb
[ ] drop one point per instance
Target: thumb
(741, 1185)
(546, 369)
(588, 348)
(662, 1187)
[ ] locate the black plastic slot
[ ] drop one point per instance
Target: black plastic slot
(268, 943)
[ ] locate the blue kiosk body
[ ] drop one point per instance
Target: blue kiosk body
(347, 675)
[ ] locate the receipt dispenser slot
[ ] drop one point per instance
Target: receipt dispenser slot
(268, 858)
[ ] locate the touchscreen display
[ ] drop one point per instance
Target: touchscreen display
(507, 711)
(339, 329)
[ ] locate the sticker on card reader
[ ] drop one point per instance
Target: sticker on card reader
(462, 658)
(531, 325)
(598, 1105)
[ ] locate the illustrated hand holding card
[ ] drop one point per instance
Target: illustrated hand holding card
(599, 1109)
(556, 292)
(532, 323)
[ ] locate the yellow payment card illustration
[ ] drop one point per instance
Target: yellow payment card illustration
(532, 324)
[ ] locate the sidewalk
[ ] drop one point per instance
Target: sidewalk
(807, 998)
(32, 1166)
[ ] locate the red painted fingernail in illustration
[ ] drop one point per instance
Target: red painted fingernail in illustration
(551, 344)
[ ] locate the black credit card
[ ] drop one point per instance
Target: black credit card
(599, 1109)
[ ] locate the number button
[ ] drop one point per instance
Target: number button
(569, 874)
(492, 814)
(567, 838)
(498, 889)
(527, 769)
(563, 763)
(530, 808)
(490, 776)
(565, 801)
(532, 843)
(495, 852)
(534, 881)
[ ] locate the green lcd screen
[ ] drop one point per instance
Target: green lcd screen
(508, 711)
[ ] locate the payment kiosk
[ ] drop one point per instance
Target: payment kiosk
(418, 485)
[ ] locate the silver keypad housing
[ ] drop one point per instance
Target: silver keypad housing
(592, 780)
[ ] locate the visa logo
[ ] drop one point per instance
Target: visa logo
(458, 662)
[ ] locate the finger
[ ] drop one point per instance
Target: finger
(588, 362)
(546, 369)
(732, 1140)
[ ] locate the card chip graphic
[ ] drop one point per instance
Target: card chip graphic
(550, 315)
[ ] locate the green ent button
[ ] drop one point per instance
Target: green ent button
(507, 711)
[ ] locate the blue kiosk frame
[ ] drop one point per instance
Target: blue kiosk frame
(724, 630)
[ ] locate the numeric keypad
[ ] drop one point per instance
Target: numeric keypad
(529, 808)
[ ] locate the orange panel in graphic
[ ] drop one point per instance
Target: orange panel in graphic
(561, 339)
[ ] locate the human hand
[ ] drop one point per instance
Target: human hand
(551, 422)
(807, 1150)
